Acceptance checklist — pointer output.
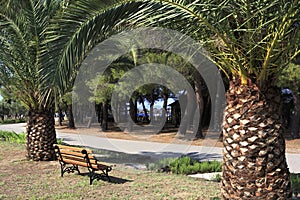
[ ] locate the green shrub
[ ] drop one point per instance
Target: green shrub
(186, 165)
(60, 141)
(12, 121)
(295, 181)
(13, 137)
(18, 138)
(217, 178)
(159, 164)
(205, 167)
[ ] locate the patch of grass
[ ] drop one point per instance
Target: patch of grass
(12, 121)
(60, 141)
(19, 138)
(41, 180)
(66, 195)
(13, 137)
(185, 165)
(2, 196)
(217, 178)
(295, 181)
(160, 164)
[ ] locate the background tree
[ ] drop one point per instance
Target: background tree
(64, 104)
(10, 106)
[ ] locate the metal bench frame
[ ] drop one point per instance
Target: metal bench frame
(70, 165)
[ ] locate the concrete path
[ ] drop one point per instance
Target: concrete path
(145, 151)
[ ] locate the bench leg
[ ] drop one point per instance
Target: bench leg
(77, 169)
(64, 168)
(105, 173)
(93, 175)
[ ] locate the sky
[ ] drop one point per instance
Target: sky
(157, 104)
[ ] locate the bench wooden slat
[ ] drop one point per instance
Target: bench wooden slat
(71, 157)
(66, 152)
(73, 148)
(78, 158)
(75, 162)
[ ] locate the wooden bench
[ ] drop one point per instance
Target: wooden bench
(72, 157)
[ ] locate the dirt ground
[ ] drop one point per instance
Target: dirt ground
(168, 135)
(23, 179)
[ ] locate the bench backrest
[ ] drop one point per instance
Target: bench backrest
(75, 155)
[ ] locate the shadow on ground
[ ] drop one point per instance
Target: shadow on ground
(113, 179)
(139, 161)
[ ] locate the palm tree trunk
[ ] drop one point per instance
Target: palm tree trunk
(254, 163)
(40, 135)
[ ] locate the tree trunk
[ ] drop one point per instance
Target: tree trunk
(60, 116)
(135, 110)
(206, 112)
(200, 102)
(40, 135)
(71, 116)
(165, 104)
(295, 120)
(99, 112)
(151, 111)
(145, 110)
(187, 110)
(104, 124)
(2, 112)
(254, 163)
(132, 115)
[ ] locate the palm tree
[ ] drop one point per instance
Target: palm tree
(40, 54)
(22, 25)
(251, 42)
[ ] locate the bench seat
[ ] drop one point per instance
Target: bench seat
(71, 157)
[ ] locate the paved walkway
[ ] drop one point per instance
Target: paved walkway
(139, 151)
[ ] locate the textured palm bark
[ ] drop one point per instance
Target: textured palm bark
(254, 163)
(40, 136)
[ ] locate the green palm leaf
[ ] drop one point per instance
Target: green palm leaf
(247, 39)
(250, 39)
(73, 33)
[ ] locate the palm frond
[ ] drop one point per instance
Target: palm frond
(245, 38)
(76, 31)
(22, 30)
